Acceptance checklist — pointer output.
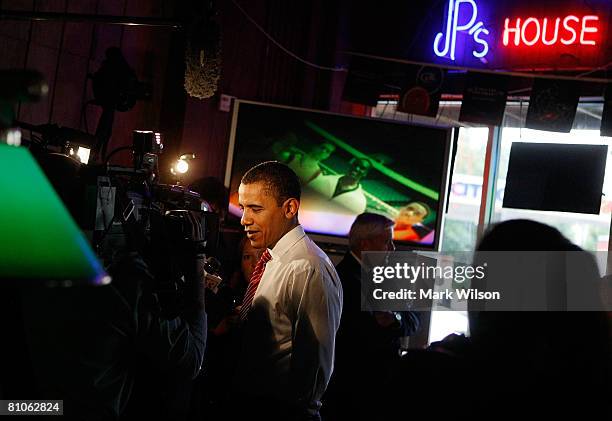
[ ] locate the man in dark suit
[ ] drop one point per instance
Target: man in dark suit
(368, 342)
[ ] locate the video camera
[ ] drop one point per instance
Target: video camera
(121, 210)
(126, 210)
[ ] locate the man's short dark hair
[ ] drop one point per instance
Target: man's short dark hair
(279, 180)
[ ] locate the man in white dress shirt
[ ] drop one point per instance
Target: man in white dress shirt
(290, 325)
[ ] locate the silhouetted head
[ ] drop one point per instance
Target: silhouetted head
(63, 173)
(213, 191)
(531, 346)
(524, 234)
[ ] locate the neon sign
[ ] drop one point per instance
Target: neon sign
(532, 30)
(550, 33)
(453, 27)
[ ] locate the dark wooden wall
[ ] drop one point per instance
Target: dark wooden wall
(66, 52)
(253, 68)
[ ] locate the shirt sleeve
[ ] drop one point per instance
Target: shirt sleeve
(315, 304)
(166, 352)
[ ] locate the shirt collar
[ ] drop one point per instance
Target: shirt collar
(356, 257)
(287, 241)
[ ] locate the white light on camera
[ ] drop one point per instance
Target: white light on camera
(83, 154)
(13, 137)
(182, 166)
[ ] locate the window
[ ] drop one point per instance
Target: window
(461, 220)
(591, 232)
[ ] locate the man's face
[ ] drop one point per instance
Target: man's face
(322, 152)
(412, 214)
(358, 169)
(382, 241)
(263, 219)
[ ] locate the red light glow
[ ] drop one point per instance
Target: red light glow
(570, 30)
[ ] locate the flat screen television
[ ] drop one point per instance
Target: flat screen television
(555, 177)
(347, 165)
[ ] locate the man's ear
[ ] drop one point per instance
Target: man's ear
(291, 207)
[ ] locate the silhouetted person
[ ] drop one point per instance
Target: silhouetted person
(546, 357)
(114, 351)
(213, 385)
(368, 342)
(213, 191)
(514, 362)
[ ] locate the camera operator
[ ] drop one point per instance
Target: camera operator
(115, 351)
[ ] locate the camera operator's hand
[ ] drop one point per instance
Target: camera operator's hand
(228, 323)
(196, 231)
(387, 319)
(234, 317)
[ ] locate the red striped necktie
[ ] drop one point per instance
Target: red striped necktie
(253, 283)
